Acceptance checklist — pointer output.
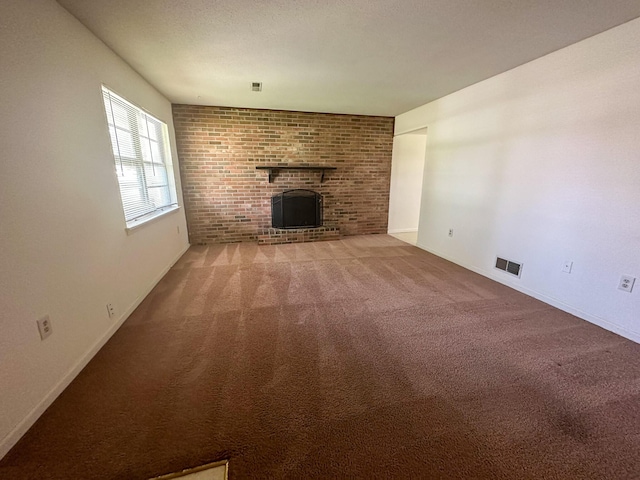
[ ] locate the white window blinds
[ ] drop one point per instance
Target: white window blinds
(142, 159)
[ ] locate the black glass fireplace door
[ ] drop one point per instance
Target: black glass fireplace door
(296, 209)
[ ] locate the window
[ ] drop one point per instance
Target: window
(142, 159)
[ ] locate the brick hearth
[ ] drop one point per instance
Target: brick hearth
(274, 236)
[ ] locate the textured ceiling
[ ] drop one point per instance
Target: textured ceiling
(370, 57)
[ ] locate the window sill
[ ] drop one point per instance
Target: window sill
(147, 219)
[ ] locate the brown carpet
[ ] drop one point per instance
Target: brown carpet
(361, 358)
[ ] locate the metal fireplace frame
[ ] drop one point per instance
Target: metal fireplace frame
(286, 215)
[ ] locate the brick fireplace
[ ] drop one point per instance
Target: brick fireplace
(228, 199)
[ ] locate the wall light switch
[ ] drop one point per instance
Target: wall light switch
(568, 265)
(626, 283)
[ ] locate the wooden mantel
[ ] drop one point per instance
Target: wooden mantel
(273, 169)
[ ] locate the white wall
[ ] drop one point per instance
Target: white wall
(541, 164)
(63, 246)
(407, 166)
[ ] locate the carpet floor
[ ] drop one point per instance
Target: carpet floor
(362, 358)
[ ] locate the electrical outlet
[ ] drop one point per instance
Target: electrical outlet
(626, 283)
(451, 232)
(44, 327)
(110, 310)
(567, 266)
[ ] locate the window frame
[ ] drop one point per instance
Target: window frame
(138, 126)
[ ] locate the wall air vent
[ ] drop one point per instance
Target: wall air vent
(256, 86)
(509, 266)
(501, 263)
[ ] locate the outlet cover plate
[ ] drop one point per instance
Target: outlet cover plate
(567, 266)
(626, 283)
(44, 327)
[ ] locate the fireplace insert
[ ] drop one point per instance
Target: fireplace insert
(296, 209)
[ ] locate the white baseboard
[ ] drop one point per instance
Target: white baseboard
(596, 320)
(26, 423)
(400, 230)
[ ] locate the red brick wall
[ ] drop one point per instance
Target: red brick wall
(228, 200)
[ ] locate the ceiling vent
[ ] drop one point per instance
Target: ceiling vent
(509, 266)
(256, 86)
